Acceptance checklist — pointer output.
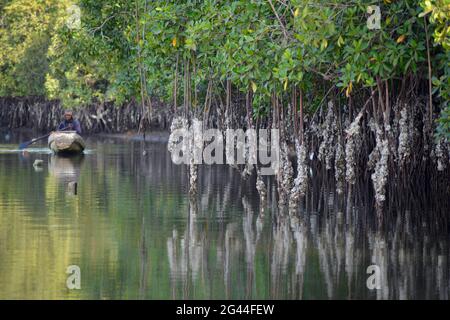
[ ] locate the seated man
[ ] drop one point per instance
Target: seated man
(69, 123)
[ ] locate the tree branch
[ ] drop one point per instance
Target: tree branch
(279, 20)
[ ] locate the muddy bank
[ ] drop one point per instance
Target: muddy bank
(43, 115)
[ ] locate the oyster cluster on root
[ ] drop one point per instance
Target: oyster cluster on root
(193, 177)
(301, 180)
(339, 166)
(441, 154)
(375, 155)
(285, 174)
(194, 142)
(378, 161)
(261, 188)
(250, 161)
(177, 124)
(329, 132)
(380, 176)
(195, 145)
(404, 137)
(351, 147)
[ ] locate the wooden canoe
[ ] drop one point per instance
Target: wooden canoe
(66, 142)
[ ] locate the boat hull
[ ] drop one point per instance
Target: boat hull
(66, 143)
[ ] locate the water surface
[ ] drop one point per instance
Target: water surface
(135, 233)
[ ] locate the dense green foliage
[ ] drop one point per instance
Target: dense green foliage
(439, 13)
(136, 49)
(26, 28)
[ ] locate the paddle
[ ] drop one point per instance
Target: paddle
(25, 144)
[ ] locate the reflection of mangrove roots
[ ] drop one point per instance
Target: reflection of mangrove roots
(72, 188)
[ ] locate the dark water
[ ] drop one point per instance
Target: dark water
(135, 234)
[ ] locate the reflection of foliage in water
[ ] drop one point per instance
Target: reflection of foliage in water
(135, 234)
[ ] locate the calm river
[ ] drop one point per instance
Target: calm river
(135, 234)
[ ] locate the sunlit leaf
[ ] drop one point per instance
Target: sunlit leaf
(348, 91)
(401, 38)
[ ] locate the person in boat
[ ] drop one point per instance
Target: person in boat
(70, 123)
